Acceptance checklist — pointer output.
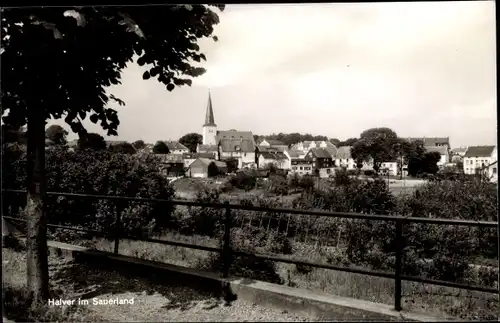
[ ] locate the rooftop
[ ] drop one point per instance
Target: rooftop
(479, 151)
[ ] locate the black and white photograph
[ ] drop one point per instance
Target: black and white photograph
(250, 162)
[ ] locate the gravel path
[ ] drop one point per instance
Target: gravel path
(159, 308)
(153, 302)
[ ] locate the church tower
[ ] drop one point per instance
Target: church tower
(209, 128)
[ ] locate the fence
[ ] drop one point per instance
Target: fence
(227, 253)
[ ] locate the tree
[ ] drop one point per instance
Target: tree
(191, 141)
(232, 165)
(213, 170)
(56, 134)
(92, 141)
(377, 144)
(413, 157)
(59, 61)
(402, 148)
(13, 135)
(335, 141)
(360, 153)
(139, 144)
(160, 148)
(429, 162)
(123, 148)
(348, 142)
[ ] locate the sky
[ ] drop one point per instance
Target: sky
(421, 69)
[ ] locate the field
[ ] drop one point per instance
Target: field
(186, 188)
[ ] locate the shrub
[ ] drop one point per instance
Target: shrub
(341, 177)
(244, 180)
(369, 172)
(277, 184)
(294, 180)
(253, 241)
(307, 182)
(213, 170)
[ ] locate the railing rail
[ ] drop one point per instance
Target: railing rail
(227, 253)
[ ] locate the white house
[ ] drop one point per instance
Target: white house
(477, 157)
(298, 164)
(390, 167)
(199, 168)
(343, 158)
(279, 159)
(493, 172)
(457, 154)
(189, 158)
(176, 148)
(239, 145)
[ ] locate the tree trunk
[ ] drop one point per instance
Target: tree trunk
(37, 260)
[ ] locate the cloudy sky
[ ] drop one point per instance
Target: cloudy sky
(422, 69)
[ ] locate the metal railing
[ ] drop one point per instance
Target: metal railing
(227, 253)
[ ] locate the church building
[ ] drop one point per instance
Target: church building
(227, 144)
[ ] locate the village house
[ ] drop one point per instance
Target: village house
(343, 158)
(191, 157)
(172, 164)
(176, 148)
(492, 171)
(431, 143)
(208, 149)
(199, 168)
(305, 146)
(273, 144)
(322, 161)
(298, 164)
(389, 168)
(457, 154)
(278, 159)
(477, 157)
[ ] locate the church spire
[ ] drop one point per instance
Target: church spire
(209, 117)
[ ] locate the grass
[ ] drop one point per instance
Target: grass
(439, 301)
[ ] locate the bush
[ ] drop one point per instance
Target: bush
(307, 182)
(253, 241)
(277, 184)
(244, 180)
(213, 170)
(204, 221)
(341, 177)
(369, 172)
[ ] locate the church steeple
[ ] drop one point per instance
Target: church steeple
(209, 117)
(209, 128)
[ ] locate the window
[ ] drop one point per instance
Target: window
(294, 168)
(300, 167)
(494, 170)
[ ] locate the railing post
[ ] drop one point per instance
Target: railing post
(399, 251)
(226, 249)
(118, 211)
